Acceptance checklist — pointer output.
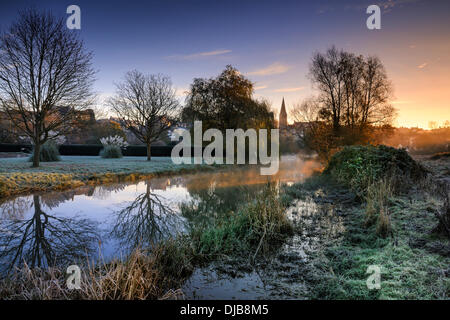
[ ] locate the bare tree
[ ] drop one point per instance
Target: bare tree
(45, 76)
(327, 74)
(354, 91)
(306, 110)
(146, 105)
(306, 116)
(353, 102)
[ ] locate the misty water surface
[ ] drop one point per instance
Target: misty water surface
(105, 222)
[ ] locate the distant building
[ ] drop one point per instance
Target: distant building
(291, 135)
(10, 132)
(283, 124)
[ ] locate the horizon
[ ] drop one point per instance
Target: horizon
(270, 43)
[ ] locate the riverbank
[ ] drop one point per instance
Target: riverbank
(342, 230)
(413, 260)
(157, 272)
(393, 227)
(309, 240)
(17, 177)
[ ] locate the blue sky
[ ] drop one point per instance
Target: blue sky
(269, 41)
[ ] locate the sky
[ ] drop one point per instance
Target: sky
(270, 42)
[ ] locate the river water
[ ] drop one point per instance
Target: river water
(105, 222)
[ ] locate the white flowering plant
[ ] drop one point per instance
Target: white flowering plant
(116, 141)
(112, 146)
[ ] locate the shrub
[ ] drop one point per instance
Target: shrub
(377, 206)
(49, 152)
(111, 152)
(112, 147)
(267, 219)
(360, 166)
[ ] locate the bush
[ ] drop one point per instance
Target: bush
(111, 152)
(360, 166)
(49, 152)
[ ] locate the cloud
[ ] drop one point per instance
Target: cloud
(432, 62)
(289, 89)
(199, 55)
(260, 87)
(274, 68)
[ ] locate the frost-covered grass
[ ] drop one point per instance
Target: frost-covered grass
(414, 260)
(17, 176)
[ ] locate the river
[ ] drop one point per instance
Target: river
(104, 222)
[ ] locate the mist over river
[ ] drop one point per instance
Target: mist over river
(95, 223)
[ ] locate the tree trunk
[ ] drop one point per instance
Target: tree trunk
(36, 154)
(149, 154)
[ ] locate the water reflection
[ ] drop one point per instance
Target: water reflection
(63, 227)
(43, 239)
(145, 221)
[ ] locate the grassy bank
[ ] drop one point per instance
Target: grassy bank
(17, 177)
(388, 224)
(414, 261)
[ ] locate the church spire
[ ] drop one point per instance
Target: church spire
(283, 107)
(283, 116)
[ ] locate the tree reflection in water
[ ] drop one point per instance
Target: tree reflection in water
(218, 199)
(146, 220)
(45, 240)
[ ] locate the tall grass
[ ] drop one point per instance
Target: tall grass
(255, 227)
(142, 275)
(267, 219)
(377, 206)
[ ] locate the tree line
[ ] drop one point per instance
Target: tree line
(46, 78)
(352, 105)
